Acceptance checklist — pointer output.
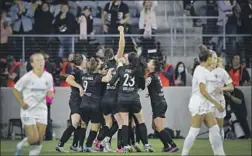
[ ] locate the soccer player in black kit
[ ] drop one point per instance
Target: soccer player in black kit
(159, 105)
(131, 78)
(90, 107)
(74, 79)
(109, 100)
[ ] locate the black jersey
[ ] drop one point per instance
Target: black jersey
(77, 74)
(129, 81)
(111, 63)
(92, 84)
(111, 89)
(155, 89)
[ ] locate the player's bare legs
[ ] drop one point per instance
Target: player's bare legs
(32, 138)
(41, 128)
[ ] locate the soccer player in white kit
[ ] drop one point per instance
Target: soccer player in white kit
(201, 104)
(34, 86)
(219, 82)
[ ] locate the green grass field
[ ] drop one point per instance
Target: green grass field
(201, 147)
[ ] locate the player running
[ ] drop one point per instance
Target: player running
(159, 105)
(34, 86)
(131, 78)
(201, 104)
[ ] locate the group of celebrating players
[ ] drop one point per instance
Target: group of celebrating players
(105, 93)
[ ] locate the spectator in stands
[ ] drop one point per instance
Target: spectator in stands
(114, 14)
(238, 73)
(182, 77)
(85, 28)
(13, 71)
(237, 102)
(246, 28)
(147, 21)
(3, 72)
(43, 23)
(43, 19)
(65, 24)
(225, 10)
(166, 73)
(21, 14)
(5, 30)
(147, 24)
(67, 69)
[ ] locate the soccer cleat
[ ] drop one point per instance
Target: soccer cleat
(80, 149)
(119, 150)
(137, 147)
(130, 148)
(173, 149)
(74, 148)
(107, 145)
(148, 148)
(60, 149)
(18, 151)
(125, 149)
(166, 149)
(97, 145)
(90, 149)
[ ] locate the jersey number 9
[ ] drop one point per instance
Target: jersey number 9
(85, 84)
(128, 81)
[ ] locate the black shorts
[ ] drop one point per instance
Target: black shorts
(159, 110)
(74, 104)
(129, 104)
(90, 110)
(109, 105)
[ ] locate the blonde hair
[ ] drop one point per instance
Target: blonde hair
(220, 60)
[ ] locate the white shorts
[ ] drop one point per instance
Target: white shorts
(197, 107)
(219, 114)
(28, 118)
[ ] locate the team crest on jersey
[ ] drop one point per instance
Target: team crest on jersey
(216, 76)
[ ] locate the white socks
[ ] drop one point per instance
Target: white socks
(23, 143)
(190, 138)
(222, 134)
(35, 150)
(215, 140)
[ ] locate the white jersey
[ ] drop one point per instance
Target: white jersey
(34, 90)
(218, 78)
(198, 103)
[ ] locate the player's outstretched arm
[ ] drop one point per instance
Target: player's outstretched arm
(121, 45)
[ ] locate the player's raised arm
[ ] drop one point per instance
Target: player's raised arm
(121, 45)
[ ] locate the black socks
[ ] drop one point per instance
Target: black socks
(66, 135)
(82, 135)
(143, 133)
(119, 139)
(167, 138)
(125, 135)
(76, 137)
(91, 137)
